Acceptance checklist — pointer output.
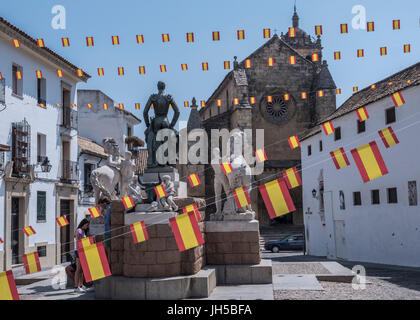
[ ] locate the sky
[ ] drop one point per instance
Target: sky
(127, 18)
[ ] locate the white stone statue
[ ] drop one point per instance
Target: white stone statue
(167, 202)
(127, 169)
(135, 191)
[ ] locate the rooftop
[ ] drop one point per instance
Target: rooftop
(91, 147)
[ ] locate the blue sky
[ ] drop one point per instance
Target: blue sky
(126, 18)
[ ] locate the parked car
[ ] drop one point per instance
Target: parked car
(292, 242)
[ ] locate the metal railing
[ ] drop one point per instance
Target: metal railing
(69, 118)
(69, 171)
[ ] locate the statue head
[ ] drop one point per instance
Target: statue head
(127, 155)
(166, 178)
(161, 85)
(111, 147)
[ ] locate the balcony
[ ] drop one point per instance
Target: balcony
(69, 118)
(69, 171)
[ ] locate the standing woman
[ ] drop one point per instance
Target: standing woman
(82, 231)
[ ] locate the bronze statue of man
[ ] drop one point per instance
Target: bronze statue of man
(161, 102)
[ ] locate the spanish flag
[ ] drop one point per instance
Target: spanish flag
(383, 51)
(407, 48)
(29, 231)
(241, 197)
(362, 114)
(248, 63)
(360, 53)
(19, 75)
(303, 95)
(8, 290)
(252, 100)
(338, 91)
(62, 221)
(80, 72)
(58, 105)
(100, 71)
(292, 32)
(205, 66)
(194, 180)
(293, 142)
(89, 105)
(235, 101)
(328, 128)
(38, 74)
(292, 59)
(277, 198)
(120, 71)
(1, 240)
(40, 42)
(286, 97)
(219, 102)
(318, 30)
(266, 33)
(137, 106)
(186, 231)
(373, 86)
(59, 73)
(121, 106)
(202, 103)
(85, 242)
(369, 161)
(270, 62)
(115, 40)
(142, 69)
(105, 106)
(340, 158)
(315, 57)
(192, 208)
(139, 232)
(94, 212)
(42, 105)
(162, 68)
(165, 37)
(226, 167)
(337, 55)
(355, 89)
(160, 191)
(344, 28)
(396, 25)
(388, 137)
(94, 262)
(16, 43)
(65, 42)
(89, 42)
(226, 64)
(184, 66)
(398, 99)
(31, 262)
(128, 202)
(241, 34)
(1, 76)
(269, 99)
(186, 104)
(261, 155)
(370, 26)
(190, 37)
(140, 38)
(216, 35)
(320, 93)
(292, 178)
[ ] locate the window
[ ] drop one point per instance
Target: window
(309, 150)
(17, 85)
(361, 126)
(337, 134)
(342, 200)
(42, 251)
(392, 195)
(41, 147)
(320, 146)
(88, 168)
(375, 197)
(129, 131)
(357, 198)
(41, 206)
(42, 91)
(390, 115)
(2, 91)
(412, 193)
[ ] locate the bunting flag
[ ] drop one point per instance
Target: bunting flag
(277, 198)
(162, 68)
(29, 231)
(31, 262)
(194, 180)
(328, 128)
(216, 35)
(65, 42)
(355, 89)
(286, 97)
(241, 197)
(373, 86)
(398, 99)
(80, 72)
(344, 28)
(370, 26)
(388, 137)
(292, 32)
(190, 37)
(369, 161)
(248, 63)
(338, 91)
(186, 104)
(235, 101)
(40, 42)
(128, 202)
(202, 103)
(58, 105)
(140, 38)
(292, 178)
(315, 57)
(261, 155)
(38, 74)
(142, 69)
(62, 221)
(1, 76)
(396, 24)
(59, 73)
(266, 33)
(89, 42)
(101, 71)
(16, 43)
(8, 290)
(226, 167)
(360, 53)
(219, 102)
(252, 100)
(85, 242)
(165, 37)
(337, 55)
(303, 95)
(89, 105)
(318, 30)
(226, 65)
(193, 208)
(42, 105)
(270, 62)
(1, 240)
(19, 75)
(121, 106)
(241, 34)
(292, 60)
(390, 83)
(160, 191)
(139, 232)
(74, 105)
(94, 262)
(105, 106)
(186, 231)
(383, 51)
(137, 106)
(205, 66)
(362, 114)
(94, 212)
(407, 48)
(184, 67)
(269, 99)
(115, 40)
(340, 158)
(120, 71)
(320, 93)
(293, 142)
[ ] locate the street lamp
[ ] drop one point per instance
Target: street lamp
(45, 165)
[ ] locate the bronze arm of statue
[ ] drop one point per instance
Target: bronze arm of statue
(176, 114)
(146, 112)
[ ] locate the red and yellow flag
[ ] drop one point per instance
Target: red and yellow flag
(31, 262)
(186, 231)
(383, 51)
(248, 63)
(407, 48)
(241, 197)
(89, 105)
(1, 76)
(362, 114)
(252, 100)
(226, 167)
(186, 104)
(139, 232)
(292, 32)
(286, 97)
(344, 28)
(16, 43)
(38, 74)
(162, 68)
(94, 212)
(370, 26)
(293, 142)
(192, 208)
(120, 71)
(315, 57)
(337, 55)
(29, 231)
(85, 242)
(128, 202)
(277, 198)
(318, 30)
(292, 178)
(1, 240)
(160, 191)
(320, 93)
(140, 38)
(303, 95)
(115, 40)
(121, 106)
(79, 72)
(360, 53)
(261, 155)
(398, 99)
(338, 91)
(8, 290)
(142, 69)
(101, 71)
(216, 35)
(328, 128)
(369, 161)
(190, 37)
(355, 89)
(194, 180)
(235, 101)
(105, 106)
(266, 33)
(137, 106)
(270, 62)
(205, 66)
(184, 67)
(292, 60)
(241, 34)
(62, 221)
(89, 42)
(40, 42)
(65, 42)
(219, 102)
(340, 158)
(226, 64)
(388, 137)
(396, 24)
(59, 73)
(202, 103)
(94, 262)
(165, 37)
(269, 99)
(19, 75)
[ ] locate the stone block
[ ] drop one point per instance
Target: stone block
(163, 231)
(135, 271)
(139, 258)
(232, 258)
(156, 244)
(117, 206)
(116, 268)
(211, 248)
(251, 258)
(117, 244)
(152, 231)
(224, 247)
(172, 269)
(156, 270)
(168, 257)
(240, 247)
(115, 256)
(215, 258)
(171, 244)
(238, 275)
(254, 248)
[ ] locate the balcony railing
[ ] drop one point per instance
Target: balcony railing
(69, 118)
(69, 171)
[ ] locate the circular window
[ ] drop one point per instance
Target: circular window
(277, 110)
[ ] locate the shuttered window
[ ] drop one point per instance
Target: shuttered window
(41, 213)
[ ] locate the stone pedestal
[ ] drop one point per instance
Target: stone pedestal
(232, 242)
(152, 175)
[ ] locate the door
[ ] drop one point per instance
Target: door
(65, 231)
(340, 239)
(15, 231)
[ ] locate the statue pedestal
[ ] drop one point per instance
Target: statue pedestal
(152, 175)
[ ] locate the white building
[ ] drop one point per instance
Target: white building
(37, 121)
(377, 221)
